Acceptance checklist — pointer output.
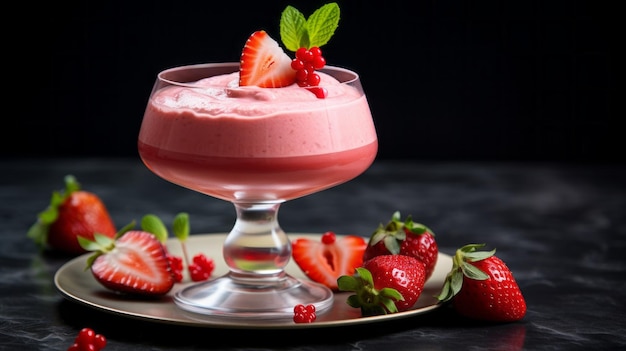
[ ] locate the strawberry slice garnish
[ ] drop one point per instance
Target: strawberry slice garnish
(325, 260)
(135, 262)
(264, 63)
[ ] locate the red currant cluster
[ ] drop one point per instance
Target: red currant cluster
(176, 265)
(304, 314)
(305, 64)
(200, 269)
(88, 340)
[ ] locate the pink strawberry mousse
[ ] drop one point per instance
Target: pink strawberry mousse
(257, 144)
(221, 119)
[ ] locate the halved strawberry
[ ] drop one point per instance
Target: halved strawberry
(135, 262)
(264, 63)
(326, 260)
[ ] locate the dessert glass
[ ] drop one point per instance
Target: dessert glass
(256, 150)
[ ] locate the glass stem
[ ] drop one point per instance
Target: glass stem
(257, 248)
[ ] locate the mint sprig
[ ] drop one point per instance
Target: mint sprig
(296, 31)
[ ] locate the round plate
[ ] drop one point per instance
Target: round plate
(79, 285)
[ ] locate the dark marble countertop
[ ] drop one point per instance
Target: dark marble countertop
(560, 228)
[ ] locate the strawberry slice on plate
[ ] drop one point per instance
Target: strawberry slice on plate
(264, 63)
(327, 259)
(135, 263)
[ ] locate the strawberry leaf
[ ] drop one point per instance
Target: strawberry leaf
(395, 217)
(101, 243)
(392, 294)
(348, 283)
(38, 232)
(103, 240)
(451, 286)
(472, 272)
(446, 291)
(416, 228)
(456, 281)
(91, 259)
(87, 244)
(392, 243)
(353, 301)
(50, 214)
(389, 305)
(366, 296)
(461, 267)
(71, 184)
(365, 275)
(126, 228)
(479, 255)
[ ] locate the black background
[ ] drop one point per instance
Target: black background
(446, 80)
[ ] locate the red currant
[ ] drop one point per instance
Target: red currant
(306, 62)
(313, 79)
(201, 268)
(99, 341)
(301, 53)
(85, 336)
(176, 266)
(301, 75)
(328, 238)
(88, 340)
(319, 62)
(297, 64)
(315, 51)
(304, 314)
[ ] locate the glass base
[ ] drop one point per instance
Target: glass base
(235, 297)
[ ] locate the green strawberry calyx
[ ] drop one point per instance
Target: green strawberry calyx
(371, 300)
(296, 31)
(393, 233)
(38, 232)
(461, 267)
(101, 244)
(150, 223)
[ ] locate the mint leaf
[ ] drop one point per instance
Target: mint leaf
(153, 224)
(296, 31)
(322, 24)
(292, 27)
(181, 226)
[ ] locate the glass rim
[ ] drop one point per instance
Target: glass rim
(344, 75)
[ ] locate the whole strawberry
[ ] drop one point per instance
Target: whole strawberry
(385, 284)
(481, 286)
(134, 263)
(404, 238)
(72, 212)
